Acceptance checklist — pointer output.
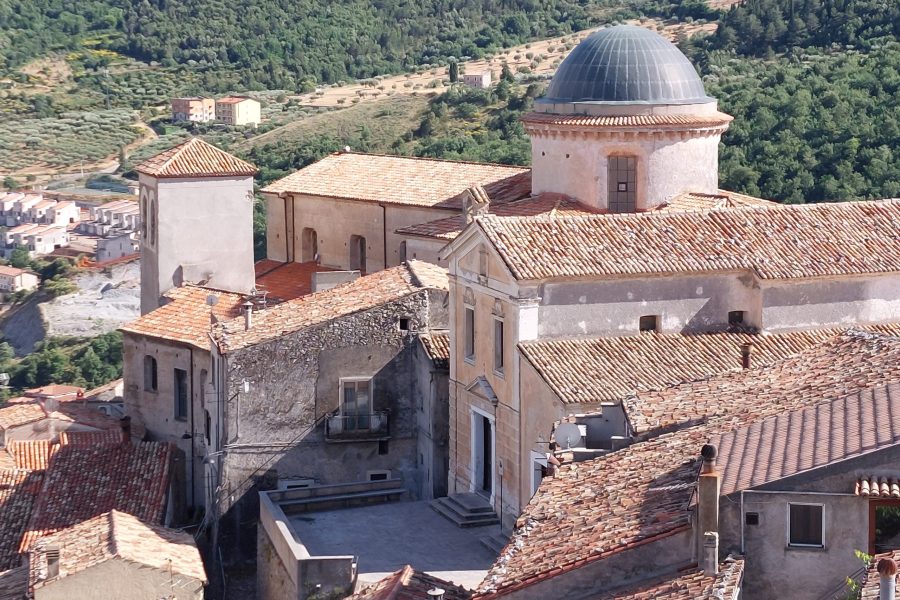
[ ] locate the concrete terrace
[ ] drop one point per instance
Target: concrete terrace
(386, 537)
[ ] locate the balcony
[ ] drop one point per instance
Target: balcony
(369, 427)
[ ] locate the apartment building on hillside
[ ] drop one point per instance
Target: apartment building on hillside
(196, 109)
(238, 110)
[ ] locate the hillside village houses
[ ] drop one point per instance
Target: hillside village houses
(658, 388)
(231, 110)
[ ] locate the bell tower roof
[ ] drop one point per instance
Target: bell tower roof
(195, 158)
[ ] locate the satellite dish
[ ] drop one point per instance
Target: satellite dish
(212, 300)
(568, 435)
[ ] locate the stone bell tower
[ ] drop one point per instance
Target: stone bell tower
(196, 206)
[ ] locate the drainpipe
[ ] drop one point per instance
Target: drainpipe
(887, 571)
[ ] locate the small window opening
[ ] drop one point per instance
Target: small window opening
(736, 317)
(805, 525)
(752, 518)
(150, 377)
(404, 324)
(379, 475)
(498, 345)
(649, 323)
(470, 333)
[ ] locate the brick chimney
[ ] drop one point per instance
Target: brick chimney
(887, 584)
(708, 511)
(746, 350)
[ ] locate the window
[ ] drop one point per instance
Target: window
(751, 518)
(181, 394)
(649, 323)
(622, 179)
(404, 324)
(402, 251)
(470, 333)
(378, 475)
(736, 317)
(498, 345)
(356, 403)
(150, 380)
(357, 253)
(805, 525)
(309, 245)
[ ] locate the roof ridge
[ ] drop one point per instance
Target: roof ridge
(431, 159)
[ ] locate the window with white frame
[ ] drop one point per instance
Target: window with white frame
(356, 403)
(805, 525)
(498, 345)
(470, 332)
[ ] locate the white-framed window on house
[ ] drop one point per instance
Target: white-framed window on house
(498, 345)
(356, 403)
(805, 527)
(622, 178)
(469, 332)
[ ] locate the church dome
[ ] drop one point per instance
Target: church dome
(626, 64)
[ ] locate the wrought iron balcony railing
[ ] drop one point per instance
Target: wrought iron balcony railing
(365, 426)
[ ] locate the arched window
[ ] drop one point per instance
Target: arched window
(357, 253)
(309, 245)
(622, 183)
(150, 378)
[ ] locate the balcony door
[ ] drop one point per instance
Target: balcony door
(356, 403)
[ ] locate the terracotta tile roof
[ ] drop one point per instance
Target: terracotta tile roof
(195, 158)
(437, 346)
(691, 584)
(11, 271)
(186, 319)
(449, 227)
(20, 413)
(832, 369)
(724, 199)
(285, 281)
(609, 369)
(410, 584)
(33, 455)
(877, 486)
(642, 493)
(717, 119)
(52, 391)
(403, 180)
(118, 534)
(794, 241)
(812, 437)
(233, 99)
(83, 482)
(18, 491)
(871, 584)
(362, 294)
(91, 439)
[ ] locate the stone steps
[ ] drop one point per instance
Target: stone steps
(495, 542)
(466, 510)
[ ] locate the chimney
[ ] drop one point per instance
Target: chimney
(476, 203)
(708, 510)
(436, 593)
(887, 569)
(52, 553)
(248, 315)
(710, 553)
(125, 424)
(746, 348)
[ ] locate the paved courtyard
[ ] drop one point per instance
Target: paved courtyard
(386, 537)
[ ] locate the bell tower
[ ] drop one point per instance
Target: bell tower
(196, 205)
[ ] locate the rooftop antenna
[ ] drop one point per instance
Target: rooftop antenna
(568, 435)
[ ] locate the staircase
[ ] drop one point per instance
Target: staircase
(494, 542)
(466, 510)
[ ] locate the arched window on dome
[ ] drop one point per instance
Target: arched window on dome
(622, 180)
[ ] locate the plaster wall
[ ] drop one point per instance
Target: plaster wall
(117, 579)
(399, 217)
(830, 302)
(541, 408)
(690, 303)
(668, 163)
(277, 236)
(202, 231)
(425, 249)
(432, 417)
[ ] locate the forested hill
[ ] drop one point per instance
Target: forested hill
(279, 43)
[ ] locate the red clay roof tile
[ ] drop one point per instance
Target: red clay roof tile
(195, 158)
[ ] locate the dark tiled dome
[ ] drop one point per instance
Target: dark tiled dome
(626, 64)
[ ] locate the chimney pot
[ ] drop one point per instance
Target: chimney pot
(887, 585)
(746, 350)
(248, 315)
(125, 424)
(436, 593)
(708, 453)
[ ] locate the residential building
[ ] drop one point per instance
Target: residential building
(13, 279)
(118, 245)
(480, 80)
(195, 109)
(64, 213)
(117, 556)
(196, 221)
(238, 110)
(37, 239)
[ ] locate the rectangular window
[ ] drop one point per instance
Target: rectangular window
(356, 403)
(736, 317)
(621, 175)
(805, 525)
(649, 323)
(498, 345)
(150, 380)
(181, 394)
(470, 333)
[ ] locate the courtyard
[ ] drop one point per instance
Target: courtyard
(386, 537)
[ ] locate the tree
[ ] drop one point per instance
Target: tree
(20, 258)
(10, 183)
(454, 72)
(506, 74)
